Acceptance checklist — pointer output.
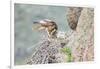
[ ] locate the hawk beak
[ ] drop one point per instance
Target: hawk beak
(37, 26)
(41, 28)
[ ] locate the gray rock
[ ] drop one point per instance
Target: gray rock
(73, 14)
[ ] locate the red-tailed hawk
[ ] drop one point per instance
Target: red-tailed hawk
(48, 25)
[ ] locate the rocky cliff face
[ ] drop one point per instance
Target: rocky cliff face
(73, 14)
(78, 46)
(83, 38)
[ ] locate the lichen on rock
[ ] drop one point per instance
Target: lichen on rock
(81, 41)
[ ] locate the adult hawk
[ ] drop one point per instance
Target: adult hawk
(48, 25)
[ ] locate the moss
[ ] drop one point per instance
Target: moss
(68, 53)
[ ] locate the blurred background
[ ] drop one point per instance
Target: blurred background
(24, 16)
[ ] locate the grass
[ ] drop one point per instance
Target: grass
(68, 53)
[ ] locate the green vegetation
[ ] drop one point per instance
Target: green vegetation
(68, 53)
